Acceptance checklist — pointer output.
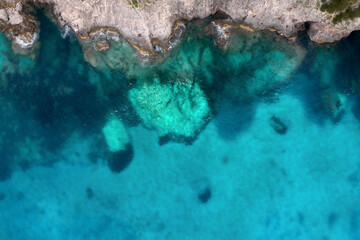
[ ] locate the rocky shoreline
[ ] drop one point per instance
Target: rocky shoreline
(153, 26)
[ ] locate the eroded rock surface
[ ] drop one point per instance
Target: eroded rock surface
(141, 21)
(19, 26)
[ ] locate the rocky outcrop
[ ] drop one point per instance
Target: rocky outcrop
(321, 33)
(20, 27)
(141, 21)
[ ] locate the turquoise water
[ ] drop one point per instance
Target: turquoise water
(258, 141)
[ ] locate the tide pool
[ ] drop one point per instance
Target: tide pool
(259, 141)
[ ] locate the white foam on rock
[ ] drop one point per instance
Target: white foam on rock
(23, 42)
(66, 31)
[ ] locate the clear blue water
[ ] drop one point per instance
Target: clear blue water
(258, 141)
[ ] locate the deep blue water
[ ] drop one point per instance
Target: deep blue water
(257, 141)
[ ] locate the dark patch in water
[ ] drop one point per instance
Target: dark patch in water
(356, 107)
(205, 196)
(5, 168)
(119, 161)
(89, 193)
(233, 119)
(179, 139)
(24, 165)
(202, 189)
(93, 157)
(2, 196)
(354, 178)
(332, 218)
(20, 196)
(307, 88)
(48, 103)
(355, 223)
(225, 160)
(164, 140)
(300, 217)
(278, 125)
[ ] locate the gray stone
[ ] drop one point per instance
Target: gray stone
(3, 15)
(156, 19)
(14, 17)
(151, 19)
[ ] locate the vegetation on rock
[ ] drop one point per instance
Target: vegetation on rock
(138, 3)
(345, 9)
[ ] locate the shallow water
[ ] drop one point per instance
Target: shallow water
(258, 141)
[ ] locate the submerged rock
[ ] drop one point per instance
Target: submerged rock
(278, 125)
(89, 193)
(180, 109)
(120, 56)
(205, 195)
(120, 160)
(202, 189)
(256, 65)
(334, 103)
(117, 139)
(101, 46)
(116, 136)
(20, 27)
(326, 69)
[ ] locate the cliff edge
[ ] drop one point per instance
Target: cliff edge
(142, 21)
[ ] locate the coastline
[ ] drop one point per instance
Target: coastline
(155, 27)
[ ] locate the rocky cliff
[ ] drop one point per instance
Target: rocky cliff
(146, 23)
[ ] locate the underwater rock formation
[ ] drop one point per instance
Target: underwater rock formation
(332, 99)
(334, 103)
(120, 56)
(102, 46)
(278, 125)
(202, 189)
(179, 109)
(117, 139)
(116, 136)
(120, 160)
(205, 196)
(257, 66)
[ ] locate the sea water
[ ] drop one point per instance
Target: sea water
(257, 141)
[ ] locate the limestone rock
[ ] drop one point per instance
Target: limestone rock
(3, 15)
(101, 46)
(142, 21)
(321, 33)
(14, 16)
